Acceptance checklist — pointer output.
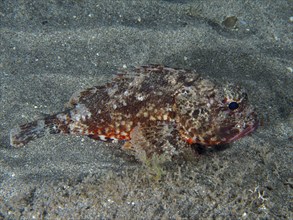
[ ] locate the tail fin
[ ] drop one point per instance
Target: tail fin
(52, 124)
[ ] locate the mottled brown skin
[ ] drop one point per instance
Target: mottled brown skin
(154, 108)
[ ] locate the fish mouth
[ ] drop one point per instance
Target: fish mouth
(226, 134)
(245, 132)
(226, 138)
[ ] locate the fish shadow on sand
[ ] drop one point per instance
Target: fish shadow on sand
(203, 150)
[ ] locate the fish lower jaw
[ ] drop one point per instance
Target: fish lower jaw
(245, 132)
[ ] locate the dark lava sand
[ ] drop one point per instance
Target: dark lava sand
(51, 49)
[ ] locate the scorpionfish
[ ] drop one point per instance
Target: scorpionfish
(153, 108)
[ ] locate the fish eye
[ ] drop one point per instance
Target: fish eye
(233, 105)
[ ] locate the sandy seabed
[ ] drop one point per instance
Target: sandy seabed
(51, 49)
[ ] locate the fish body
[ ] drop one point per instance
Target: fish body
(155, 107)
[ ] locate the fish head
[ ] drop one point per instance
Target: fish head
(234, 117)
(214, 115)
